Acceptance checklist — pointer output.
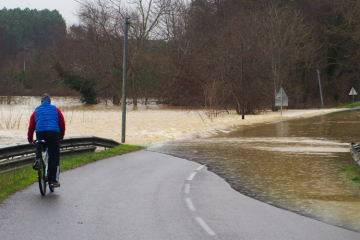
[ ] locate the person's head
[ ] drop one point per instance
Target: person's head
(45, 97)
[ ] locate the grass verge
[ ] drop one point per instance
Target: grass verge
(351, 105)
(20, 178)
(352, 172)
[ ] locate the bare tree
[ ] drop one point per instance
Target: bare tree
(146, 19)
(105, 17)
(285, 41)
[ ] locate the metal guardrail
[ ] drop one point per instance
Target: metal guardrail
(355, 152)
(23, 154)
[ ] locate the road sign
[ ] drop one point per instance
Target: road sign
(281, 98)
(352, 92)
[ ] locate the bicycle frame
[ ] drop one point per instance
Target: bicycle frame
(44, 154)
(45, 158)
(43, 168)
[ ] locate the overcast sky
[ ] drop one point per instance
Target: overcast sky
(67, 8)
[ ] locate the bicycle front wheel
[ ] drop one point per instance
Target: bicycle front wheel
(42, 178)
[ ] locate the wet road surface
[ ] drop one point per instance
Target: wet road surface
(147, 195)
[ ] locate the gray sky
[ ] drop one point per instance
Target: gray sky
(67, 8)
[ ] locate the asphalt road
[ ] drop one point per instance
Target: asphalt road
(147, 195)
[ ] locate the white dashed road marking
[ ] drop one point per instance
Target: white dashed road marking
(205, 226)
(199, 168)
(190, 204)
(191, 177)
(187, 188)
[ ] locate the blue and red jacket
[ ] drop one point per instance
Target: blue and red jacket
(46, 117)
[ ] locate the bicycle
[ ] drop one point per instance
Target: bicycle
(43, 168)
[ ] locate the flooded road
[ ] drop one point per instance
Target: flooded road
(294, 164)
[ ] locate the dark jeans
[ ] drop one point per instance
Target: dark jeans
(52, 141)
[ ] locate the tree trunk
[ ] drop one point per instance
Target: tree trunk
(116, 99)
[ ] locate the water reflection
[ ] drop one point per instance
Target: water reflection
(282, 129)
(292, 164)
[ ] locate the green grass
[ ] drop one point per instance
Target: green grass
(20, 178)
(351, 105)
(352, 172)
(355, 179)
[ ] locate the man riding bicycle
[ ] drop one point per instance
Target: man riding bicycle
(48, 123)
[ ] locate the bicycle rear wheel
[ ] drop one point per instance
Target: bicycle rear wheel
(42, 178)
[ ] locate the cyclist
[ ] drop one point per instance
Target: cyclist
(48, 123)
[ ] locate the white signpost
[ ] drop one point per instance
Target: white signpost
(281, 99)
(352, 93)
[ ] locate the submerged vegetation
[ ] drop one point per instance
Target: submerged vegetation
(20, 178)
(352, 173)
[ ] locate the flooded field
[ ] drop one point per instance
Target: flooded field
(294, 164)
(146, 126)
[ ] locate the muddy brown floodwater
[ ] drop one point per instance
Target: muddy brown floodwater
(294, 164)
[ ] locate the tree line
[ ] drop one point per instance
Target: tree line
(188, 53)
(24, 36)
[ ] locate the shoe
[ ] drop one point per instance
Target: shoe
(54, 184)
(36, 165)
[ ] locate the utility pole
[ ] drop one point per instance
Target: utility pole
(281, 99)
(242, 81)
(322, 103)
(24, 58)
(126, 26)
(25, 49)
